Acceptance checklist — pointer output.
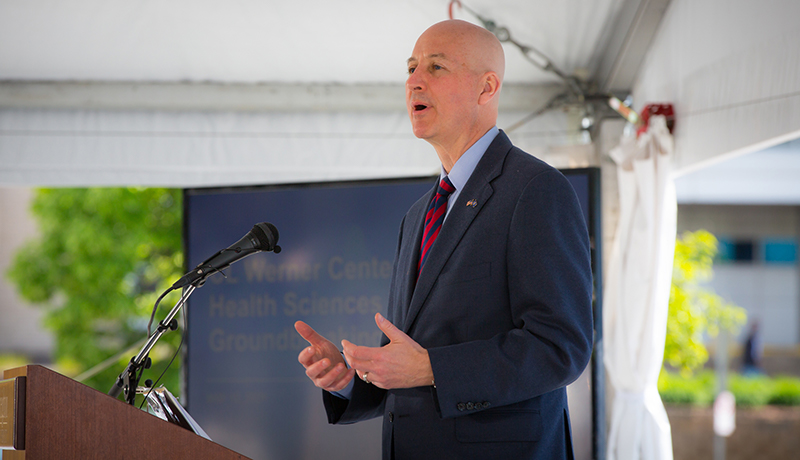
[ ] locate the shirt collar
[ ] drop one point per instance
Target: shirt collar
(465, 165)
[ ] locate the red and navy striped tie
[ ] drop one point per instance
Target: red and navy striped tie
(434, 219)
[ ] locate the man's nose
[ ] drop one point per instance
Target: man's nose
(414, 82)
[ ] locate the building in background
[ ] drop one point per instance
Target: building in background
(752, 205)
(21, 329)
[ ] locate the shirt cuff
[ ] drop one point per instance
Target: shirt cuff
(345, 392)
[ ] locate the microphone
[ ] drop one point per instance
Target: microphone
(263, 237)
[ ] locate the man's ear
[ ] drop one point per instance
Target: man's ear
(491, 88)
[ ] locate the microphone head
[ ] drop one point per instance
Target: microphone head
(266, 234)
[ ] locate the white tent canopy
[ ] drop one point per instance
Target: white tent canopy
(188, 93)
(88, 88)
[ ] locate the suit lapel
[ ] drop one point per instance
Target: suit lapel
(477, 192)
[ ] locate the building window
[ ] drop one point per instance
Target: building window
(767, 250)
(735, 250)
(780, 251)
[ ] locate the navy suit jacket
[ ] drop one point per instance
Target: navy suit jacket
(504, 308)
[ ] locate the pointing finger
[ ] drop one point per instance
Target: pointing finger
(309, 334)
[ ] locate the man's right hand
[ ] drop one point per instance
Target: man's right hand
(324, 364)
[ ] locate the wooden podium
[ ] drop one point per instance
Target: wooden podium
(45, 415)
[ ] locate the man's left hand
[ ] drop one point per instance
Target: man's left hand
(402, 363)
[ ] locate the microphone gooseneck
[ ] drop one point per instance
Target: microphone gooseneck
(262, 237)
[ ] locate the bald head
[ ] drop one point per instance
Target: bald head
(452, 92)
(482, 50)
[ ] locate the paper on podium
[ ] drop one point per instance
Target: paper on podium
(165, 406)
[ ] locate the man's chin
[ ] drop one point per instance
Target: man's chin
(421, 132)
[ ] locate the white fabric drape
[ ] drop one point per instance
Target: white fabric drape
(637, 295)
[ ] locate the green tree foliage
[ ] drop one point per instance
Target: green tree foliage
(102, 257)
(694, 309)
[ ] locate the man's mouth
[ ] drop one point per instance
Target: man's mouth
(420, 107)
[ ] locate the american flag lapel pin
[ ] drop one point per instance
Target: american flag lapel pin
(472, 203)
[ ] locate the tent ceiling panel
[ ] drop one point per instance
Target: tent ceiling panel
(732, 69)
(628, 41)
(252, 41)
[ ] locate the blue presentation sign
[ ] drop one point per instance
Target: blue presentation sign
(244, 385)
(243, 382)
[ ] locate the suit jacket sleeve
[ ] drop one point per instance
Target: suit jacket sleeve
(547, 261)
(366, 402)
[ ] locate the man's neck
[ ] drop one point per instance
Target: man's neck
(450, 152)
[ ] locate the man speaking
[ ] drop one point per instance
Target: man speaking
(489, 314)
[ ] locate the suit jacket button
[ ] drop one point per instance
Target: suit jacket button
(486, 404)
(470, 406)
(461, 406)
(391, 417)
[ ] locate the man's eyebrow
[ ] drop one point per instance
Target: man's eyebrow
(434, 56)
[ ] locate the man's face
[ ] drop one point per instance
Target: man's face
(441, 90)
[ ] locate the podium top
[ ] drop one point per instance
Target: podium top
(66, 419)
(15, 372)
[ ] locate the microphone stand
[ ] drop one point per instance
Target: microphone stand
(128, 380)
(263, 237)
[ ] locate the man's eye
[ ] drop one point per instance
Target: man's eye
(411, 70)
(436, 67)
